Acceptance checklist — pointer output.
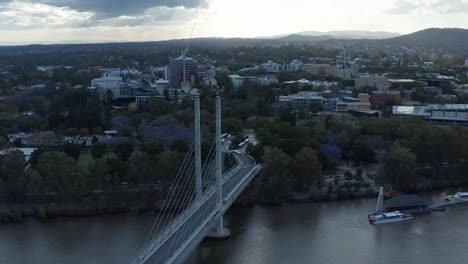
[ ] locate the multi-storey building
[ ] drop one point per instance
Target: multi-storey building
(377, 81)
(383, 98)
(183, 72)
(111, 84)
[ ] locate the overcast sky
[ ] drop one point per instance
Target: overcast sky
(66, 21)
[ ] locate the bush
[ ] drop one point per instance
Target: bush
(357, 187)
(71, 131)
(359, 172)
(336, 180)
(42, 213)
(348, 175)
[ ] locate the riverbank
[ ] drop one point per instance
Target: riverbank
(45, 207)
(141, 201)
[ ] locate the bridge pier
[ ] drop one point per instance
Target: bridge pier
(219, 231)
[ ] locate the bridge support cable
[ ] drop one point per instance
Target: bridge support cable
(198, 205)
(187, 225)
(207, 167)
(186, 205)
(199, 196)
(203, 218)
(175, 193)
(165, 224)
(163, 217)
(187, 159)
(168, 222)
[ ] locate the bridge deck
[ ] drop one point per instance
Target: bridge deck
(187, 230)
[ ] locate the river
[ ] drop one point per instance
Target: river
(335, 232)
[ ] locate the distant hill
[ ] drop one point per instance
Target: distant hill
(342, 34)
(353, 34)
(453, 39)
(448, 39)
(303, 38)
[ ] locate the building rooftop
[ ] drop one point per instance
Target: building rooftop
(401, 80)
(386, 92)
(412, 200)
(411, 110)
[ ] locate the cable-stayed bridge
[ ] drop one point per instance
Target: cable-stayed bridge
(198, 197)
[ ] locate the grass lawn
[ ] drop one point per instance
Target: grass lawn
(85, 158)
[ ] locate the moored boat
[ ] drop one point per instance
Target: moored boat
(382, 217)
(457, 197)
(390, 217)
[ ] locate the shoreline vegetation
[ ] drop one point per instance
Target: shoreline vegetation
(149, 201)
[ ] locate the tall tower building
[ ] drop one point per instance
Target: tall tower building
(183, 72)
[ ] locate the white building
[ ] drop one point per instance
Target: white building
(450, 114)
(270, 67)
(295, 65)
(236, 80)
(114, 84)
(302, 99)
(315, 84)
(378, 81)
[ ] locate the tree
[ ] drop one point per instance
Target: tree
(152, 148)
(399, 166)
(348, 175)
(275, 174)
(73, 150)
(133, 107)
(125, 131)
(166, 94)
(256, 151)
(60, 173)
(168, 165)
(232, 125)
(180, 145)
(286, 115)
(123, 151)
(109, 97)
(315, 107)
(35, 156)
(225, 82)
(328, 122)
(98, 150)
(118, 170)
(158, 107)
(71, 131)
(306, 169)
(12, 175)
(361, 153)
(100, 173)
(4, 143)
(140, 169)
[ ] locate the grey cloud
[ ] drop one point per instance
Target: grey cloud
(115, 8)
(451, 6)
(429, 6)
(110, 13)
(403, 7)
